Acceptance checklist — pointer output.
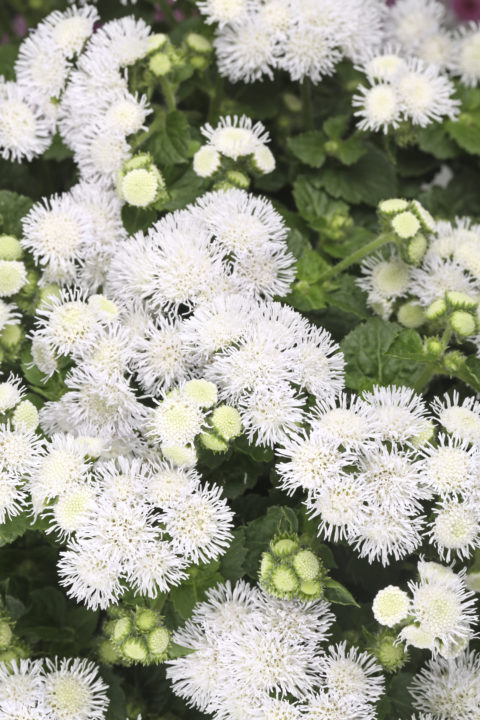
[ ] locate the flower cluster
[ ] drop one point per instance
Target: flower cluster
(255, 37)
(439, 615)
(254, 656)
(50, 689)
(134, 636)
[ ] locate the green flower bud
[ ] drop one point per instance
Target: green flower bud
(311, 589)
(284, 580)
(180, 455)
(292, 102)
(263, 160)
(227, 422)
(10, 248)
(390, 654)
(307, 565)
(11, 337)
(158, 641)
(160, 64)
(135, 650)
(198, 43)
(199, 62)
(155, 42)
(411, 315)
(206, 161)
(426, 220)
(405, 225)
(13, 277)
(460, 300)
(213, 443)
(432, 346)
(6, 634)
(108, 653)
(392, 206)
(453, 361)
(416, 248)
(463, 323)
(142, 187)
(25, 414)
(146, 619)
(238, 179)
(283, 546)
(267, 564)
(425, 435)
(121, 629)
(202, 391)
(436, 309)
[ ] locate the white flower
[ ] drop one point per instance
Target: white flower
(155, 568)
(390, 606)
(383, 65)
(460, 419)
(444, 607)
(456, 528)
(313, 462)
(426, 95)
(61, 466)
(348, 420)
(387, 531)
(177, 420)
(224, 608)
(384, 279)
(100, 153)
(71, 509)
(57, 231)
(264, 273)
(317, 363)
(43, 354)
(379, 107)
(199, 525)
(73, 690)
(409, 21)
(327, 706)
(309, 51)
(437, 276)
(11, 392)
(19, 450)
(13, 496)
(224, 11)
(68, 322)
(167, 484)
(123, 41)
(352, 675)
(466, 55)
(246, 50)
(24, 131)
(269, 414)
(160, 358)
(391, 478)
(449, 688)
(451, 467)
(9, 314)
(89, 575)
(69, 30)
(21, 683)
(340, 506)
(235, 136)
(41, 70)
(206, 161)
(400, 412)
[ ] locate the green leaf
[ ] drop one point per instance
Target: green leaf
(329, 217)
(135, 219)
(260, 531)
(117, 707)
(399, 694)
(465, 130)
(13, 528)
(470, 373)
(185, 190)
(335, 592)
(308, 147)
(13, 208)
(169, 144)
(232, 563)
(335, 126)
(408, 345)
(306, 297)
(434, 140)
(57, 150)
(366, 350)
(256, 452)
(349, 297)
(351, 150)
(370, 180)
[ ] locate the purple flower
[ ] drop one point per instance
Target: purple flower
(466, 9)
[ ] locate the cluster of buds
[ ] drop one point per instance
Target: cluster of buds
(11, 648)
(140, 183)
(411, 225)
(291, 570)
(390, 653)
(190, 416)
(134, 635)
(177, 63)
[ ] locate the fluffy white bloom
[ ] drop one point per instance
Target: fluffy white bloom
(89, 576)
(73, 689)
(21, 683)
(61, 465)
(352, 675)
(160, 358)
(460, 419)
(235, 136)
(348, 420)
(340, 506)
(409, 21)
(391, 605)
(8, 314)
(155, 568)
(19, 451)
(451, 467)
(123, 41)
(379, 107)
(309, 51)
(246, 50)
(68, 322)
(400, 412)
(384, 532)
(456, 528)
(41, 70)
(449, 688)
(466, 55)
(199, 524)
(24, 131)
(436, 277)
(224, 11)
(70, 29)
(426, 95)
(269, 414)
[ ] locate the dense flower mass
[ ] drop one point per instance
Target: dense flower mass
(239, 361)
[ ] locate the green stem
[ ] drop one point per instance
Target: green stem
(425, 376)
(307, 103)
(168, 94)
(143, 137)
(215, 99)
(358, 255)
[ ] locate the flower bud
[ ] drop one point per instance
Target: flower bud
(436, 309)
(263, 160)
(416, 248)
(160, 64)
(390, 606)
(411, 315)
(10, 248)
(13, 277)
(26, 414)
(227, 422)
(140, 183)
(199, 43)
(202, 391)
(206, 161)
(463, 323)
(392, 206)
(213, 443)
(405, 225)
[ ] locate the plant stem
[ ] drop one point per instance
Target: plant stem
(356, 256)
(307, 103)
(168, 94)
(143, 137)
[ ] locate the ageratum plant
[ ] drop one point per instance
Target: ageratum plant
(240, 359)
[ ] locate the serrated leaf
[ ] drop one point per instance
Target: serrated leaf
(13, 207)
(335, 126)
(465, 130)
(335, 592)
(351, 150)
(434, 140)
(306, 297)
(408, 345)
(349, 297)
(14, 528)
(322, 213)
(368, 181)
(170, 142)
(366, 351)
(232, 563)
(308, 147)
